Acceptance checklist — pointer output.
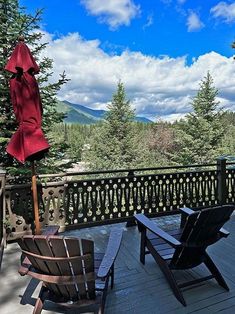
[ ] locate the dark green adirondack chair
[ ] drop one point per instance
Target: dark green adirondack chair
(185, 247)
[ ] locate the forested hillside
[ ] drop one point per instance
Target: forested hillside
(76, 113)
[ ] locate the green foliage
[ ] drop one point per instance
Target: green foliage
(75, 135)
(200, 134)
(228, 141)
(161, 144)
(8, 17)
(14, 23)
(114, 142)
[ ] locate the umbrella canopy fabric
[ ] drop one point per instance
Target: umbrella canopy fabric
(28, 142)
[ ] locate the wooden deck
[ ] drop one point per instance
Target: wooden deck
(138, 289)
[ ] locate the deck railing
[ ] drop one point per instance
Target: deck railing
(75, 200)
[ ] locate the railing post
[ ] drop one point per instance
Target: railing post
(221, 176)
(2, 213)
(131, 222)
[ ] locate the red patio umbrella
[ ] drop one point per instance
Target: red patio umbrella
(28, 142)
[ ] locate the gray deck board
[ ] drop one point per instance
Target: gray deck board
(139, 289)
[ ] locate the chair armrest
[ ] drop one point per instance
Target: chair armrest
(51, 230)
(224, 233)
(112, 249)
(26, 264)
(151, 226)
(186, 210)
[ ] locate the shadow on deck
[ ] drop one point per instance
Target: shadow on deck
(138, 289)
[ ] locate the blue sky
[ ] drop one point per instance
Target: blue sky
(160, 49)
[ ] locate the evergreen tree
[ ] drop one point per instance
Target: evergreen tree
(228, 141)
(14, 23)
(114, 144)
(76, 135)
(201, 133)
(162, 145)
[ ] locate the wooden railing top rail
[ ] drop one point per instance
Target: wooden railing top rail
(63, 174)
(64, 182)
(131, 171)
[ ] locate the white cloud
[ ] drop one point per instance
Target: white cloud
(193, 22)
(225, 11)
(157, 86)
(181, 1)
(113, 12)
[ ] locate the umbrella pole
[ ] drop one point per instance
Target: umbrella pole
(35, 198)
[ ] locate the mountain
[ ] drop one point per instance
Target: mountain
(97, 114)
(76, 113)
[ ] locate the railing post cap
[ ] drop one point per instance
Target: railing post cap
(221, 158)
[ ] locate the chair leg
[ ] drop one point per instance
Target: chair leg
(172, 282)
(215, 272)
(105, 291)
(40, 300)
(142, 246)
(112, 276)
(100, 310)
(169, 275)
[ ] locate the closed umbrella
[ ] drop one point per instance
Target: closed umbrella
(28, 142)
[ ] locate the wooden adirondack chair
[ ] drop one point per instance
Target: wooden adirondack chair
(72, 274)
(185, 248)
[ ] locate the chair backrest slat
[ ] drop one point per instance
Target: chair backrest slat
(45, 249)
(57, 246)
(205, 224)
(29, 244)
(61, 250)
(201, 229)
